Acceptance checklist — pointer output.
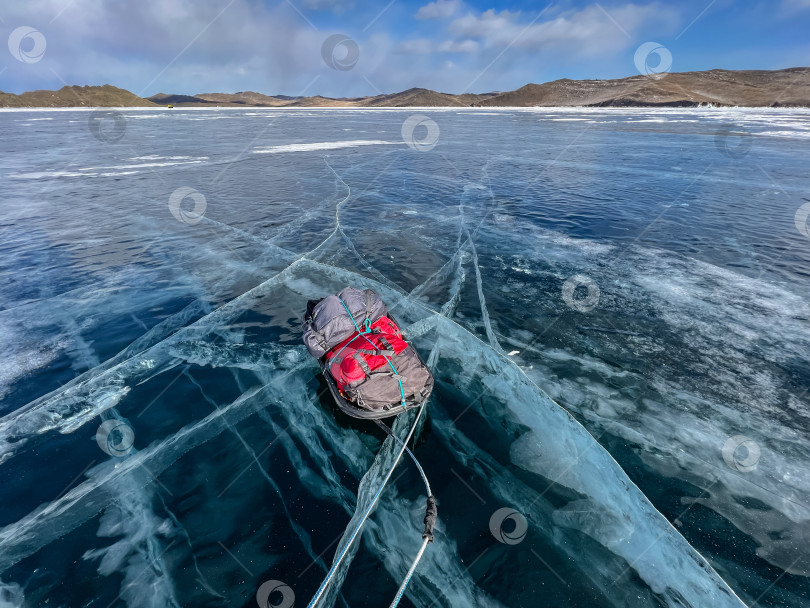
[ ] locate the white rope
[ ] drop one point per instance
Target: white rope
(408, 576)
(427, 539)
(345, 550)
(388, 431)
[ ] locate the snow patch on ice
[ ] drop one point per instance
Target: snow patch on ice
(326, 145)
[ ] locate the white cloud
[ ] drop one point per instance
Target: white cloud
(590, 30)
(440, 9)
(131, 45)
(423, 46)
(416, 46)
(561, 37)
(794, 6)
(458, 46)
(337, 6)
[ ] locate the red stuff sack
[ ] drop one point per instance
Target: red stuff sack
(378, 369)
(359, 355)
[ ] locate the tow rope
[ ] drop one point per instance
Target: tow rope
(431, 514)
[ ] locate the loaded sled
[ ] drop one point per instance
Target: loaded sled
(369, 367)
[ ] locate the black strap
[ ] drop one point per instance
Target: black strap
(431, 513)
(386, 344)
(376, 351)
(311, 304)
(362, 363)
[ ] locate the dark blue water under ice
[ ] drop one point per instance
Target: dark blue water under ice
(615, 304)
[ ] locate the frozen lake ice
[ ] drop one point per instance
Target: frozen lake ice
(615, 304)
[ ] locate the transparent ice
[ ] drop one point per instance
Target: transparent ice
(241, 472)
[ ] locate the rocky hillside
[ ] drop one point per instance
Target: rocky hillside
(754, 88)
(67, 97)
(247, 98)
(422, 98)
(790, 87)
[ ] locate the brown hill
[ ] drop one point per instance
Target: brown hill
(164, 99)
(419, 98)
(69, 97)
(246, 98)
(790, 87)
(324, 102)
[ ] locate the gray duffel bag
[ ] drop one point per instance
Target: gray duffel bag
(329, 323)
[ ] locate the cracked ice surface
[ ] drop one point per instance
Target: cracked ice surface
(673, 570)
(243, 471)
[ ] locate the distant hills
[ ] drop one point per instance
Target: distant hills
(409, 98)
(753, 88)
(87, 97)
(790, 87)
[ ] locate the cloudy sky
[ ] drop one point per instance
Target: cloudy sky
(344, 48)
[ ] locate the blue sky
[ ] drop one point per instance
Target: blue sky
(200, 46)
